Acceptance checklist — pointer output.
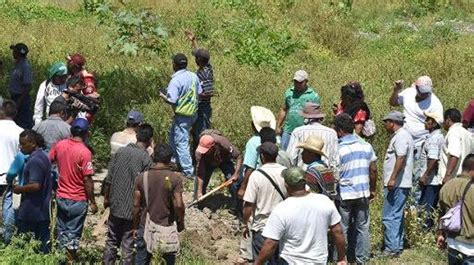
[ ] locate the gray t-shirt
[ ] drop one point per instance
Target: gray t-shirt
(53, 129)
(21, 76)
(401, 144)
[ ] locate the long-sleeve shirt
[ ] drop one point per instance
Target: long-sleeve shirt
(47, 92)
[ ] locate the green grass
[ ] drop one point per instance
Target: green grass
(376, 42)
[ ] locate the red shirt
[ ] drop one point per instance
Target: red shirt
(74, 162)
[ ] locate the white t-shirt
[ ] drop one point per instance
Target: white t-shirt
(457, 143)
(401, 144)
(9, 145)
(414, 112)
(300, 224)
(121, 139)
(263, 194)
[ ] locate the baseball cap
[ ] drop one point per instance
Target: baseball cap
(201, 53)
(394, 116)
(21, 48)
(205, 143)
(300, 76)
(424, 84)
(180, 59)
(435, 116)
(135, 117)
(294, 176)
(76, 59)
(311, 110)
(81, 123)
(269, 149)
(58, 68)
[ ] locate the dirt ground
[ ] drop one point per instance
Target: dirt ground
(210, 226)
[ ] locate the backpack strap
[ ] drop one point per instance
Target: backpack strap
(273, 183)
(145, 187)
(466, 189)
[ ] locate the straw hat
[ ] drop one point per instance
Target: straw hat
(435, 116)
(262, 117)
(311, 110)
(313, 144)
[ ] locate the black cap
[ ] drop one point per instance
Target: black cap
(201, 53)
(180, 59)
(268, 149)
(21, 48)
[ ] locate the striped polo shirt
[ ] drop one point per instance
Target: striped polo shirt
(355, 156)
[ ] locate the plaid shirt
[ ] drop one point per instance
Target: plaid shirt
(206, 77)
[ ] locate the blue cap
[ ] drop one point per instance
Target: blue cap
(135, 117)
(82, 123)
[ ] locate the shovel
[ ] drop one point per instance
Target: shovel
(223, 185)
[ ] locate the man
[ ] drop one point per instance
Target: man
(125, 166)
(460, 245)
(300, 226)
(75, 65)
(129, 134)
(429, 162)
(357, 187)
(457, 145)
(182, 95)
(75, 186)
(20, 84)
(295, 98)
(205, 74)
(416, 100)
(33, 213)
(397, 175)
(163, 203)
(265, 189)
(313, 118)
(216, 151)
(50, 89)
(54, 128)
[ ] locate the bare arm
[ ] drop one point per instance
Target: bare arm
(373, 179)
(89, 187)
(338, 236)
(396, 89)
(106, 194)
(179, 209)
(29, 188)
(452, 162)
(238, 166)
(280, 119)
(430, 167)
(137, 198)
(399, 164)
(248, 210)
(245, 181)
(269, 247)
(192, 38)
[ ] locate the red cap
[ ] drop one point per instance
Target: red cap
(205, 143)
(76, 59)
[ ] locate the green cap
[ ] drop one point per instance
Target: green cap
(294, 176)
(58, 68)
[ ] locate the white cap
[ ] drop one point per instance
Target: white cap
(435, 116)
(300, 75)
(424, 84)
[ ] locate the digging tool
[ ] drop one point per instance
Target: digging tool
(223, 185)
(100, 227)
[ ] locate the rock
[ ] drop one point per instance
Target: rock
(207, 212)
(222, 254)
(216, 233)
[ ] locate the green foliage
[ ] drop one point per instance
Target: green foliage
(101, 146)
(25, 250)
(420, 8)
(27, 11)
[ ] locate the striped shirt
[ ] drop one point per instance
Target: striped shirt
(431, 149)
(355, 156)
(206, 78)
(126, 164)
(300, 134)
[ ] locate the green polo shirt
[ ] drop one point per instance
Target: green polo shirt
(294, 104)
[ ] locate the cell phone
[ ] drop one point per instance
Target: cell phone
(163, 91)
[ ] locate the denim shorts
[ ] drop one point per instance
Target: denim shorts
(70, 222)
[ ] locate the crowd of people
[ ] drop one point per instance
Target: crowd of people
(301, 189)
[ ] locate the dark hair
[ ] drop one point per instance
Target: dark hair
(468, 163)
(352, 92)
(9, 108)
(267, 134)
(144, 133)
(131, 124)
(203, 61)
(57, 107)
(437, 126)
(31, 135)
(77, 131)
(343, 122)
(73, 80)
(355, 106)
(453, 114)
(162, 153)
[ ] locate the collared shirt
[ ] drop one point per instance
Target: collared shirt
(415, 112)
(125, 166)
(431, 149)
(458, 143)
(294, 103)
(53, 129)
(301, 133)
(181, 82)
(9, 145)
(355, 157)
(401, 144)
(206, 78)
(21, 76)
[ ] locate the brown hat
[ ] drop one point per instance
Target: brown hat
(313, 144)
(312, 110)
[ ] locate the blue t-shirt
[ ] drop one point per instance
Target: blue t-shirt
(251, 157)
(35, 206)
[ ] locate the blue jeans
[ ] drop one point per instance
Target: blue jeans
(457, 258)
(24, 116)
(203, 121)
(70, 222)
(285, 140)
(429, 200)
(9, 216)
(39, 229)
(392, 218)
(179, 142)
(144, 257)
(355, 221)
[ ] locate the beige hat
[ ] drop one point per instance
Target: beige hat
(313, 144)
(435, 116)
(300, 75)
(262, 117)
